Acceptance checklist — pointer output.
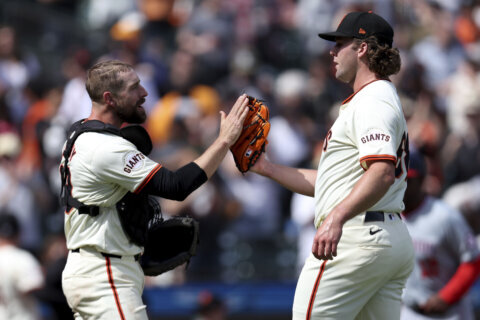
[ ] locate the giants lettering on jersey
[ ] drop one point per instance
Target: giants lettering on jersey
(375, 136)
(133, 161)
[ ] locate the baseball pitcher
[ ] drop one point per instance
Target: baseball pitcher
(362, 253)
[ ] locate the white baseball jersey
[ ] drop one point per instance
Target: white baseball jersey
(374, 258)
(442, 241)
(103, 168)
(370, 126)
(20, 273)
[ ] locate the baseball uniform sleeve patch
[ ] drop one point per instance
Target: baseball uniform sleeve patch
(133, 161)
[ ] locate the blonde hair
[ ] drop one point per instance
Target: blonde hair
(104, 76)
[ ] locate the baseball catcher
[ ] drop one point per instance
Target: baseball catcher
(253, 139)
(114, 229)
(167, 243)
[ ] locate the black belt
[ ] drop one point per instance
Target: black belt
(109, 255)
(371, 216)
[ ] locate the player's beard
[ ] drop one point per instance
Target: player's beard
(131, 114)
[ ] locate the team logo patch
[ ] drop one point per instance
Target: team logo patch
(375, 137)
(133, 161)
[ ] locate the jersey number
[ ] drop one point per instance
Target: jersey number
(403, 156)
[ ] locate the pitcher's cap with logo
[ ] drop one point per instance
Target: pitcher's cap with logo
(361, 25)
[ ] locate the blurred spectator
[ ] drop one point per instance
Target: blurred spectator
(75, 104)
(426, 133)
(426, 128)
(259, 200)
(210, 307)
(15, 72)
(97, 15)
(466, 25)
(278, 39)
(36, 166)
(439, 52)
(465, 197)
(192, 117)
(46, 99)
(447, 255)
(15, 194)
(462, 94)
(312, 16)
(207, 35)
(290, 125)
(461, 152)
(162, 18)
(21, 274)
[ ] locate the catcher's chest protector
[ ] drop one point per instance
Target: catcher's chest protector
(135, 224)
(167, 243)
(73, 133)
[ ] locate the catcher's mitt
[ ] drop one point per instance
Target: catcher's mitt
(170, 243)
(253, 139)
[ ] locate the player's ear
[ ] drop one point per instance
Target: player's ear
(108, 98)
(362, 49)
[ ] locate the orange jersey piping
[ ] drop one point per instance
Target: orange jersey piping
(350, 97)
(378, 157)
(114, 289)
(314, 291)
(147, 179)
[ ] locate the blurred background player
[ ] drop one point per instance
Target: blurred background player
(447, 257)
(20, 279)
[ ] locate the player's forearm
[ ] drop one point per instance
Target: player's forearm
(211, 159)
(295, 179)
(467, 273)
(369, 189)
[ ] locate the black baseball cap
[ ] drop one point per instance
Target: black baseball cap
(361, 25)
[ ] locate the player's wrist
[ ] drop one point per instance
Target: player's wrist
(340, 215)
(222, 142)
(265, 168)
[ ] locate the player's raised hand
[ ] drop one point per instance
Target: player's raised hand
(326, 239)
(231, 125)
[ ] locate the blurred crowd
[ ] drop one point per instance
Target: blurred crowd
(195, 57)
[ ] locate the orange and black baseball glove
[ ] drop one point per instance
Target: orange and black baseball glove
(253, 139)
